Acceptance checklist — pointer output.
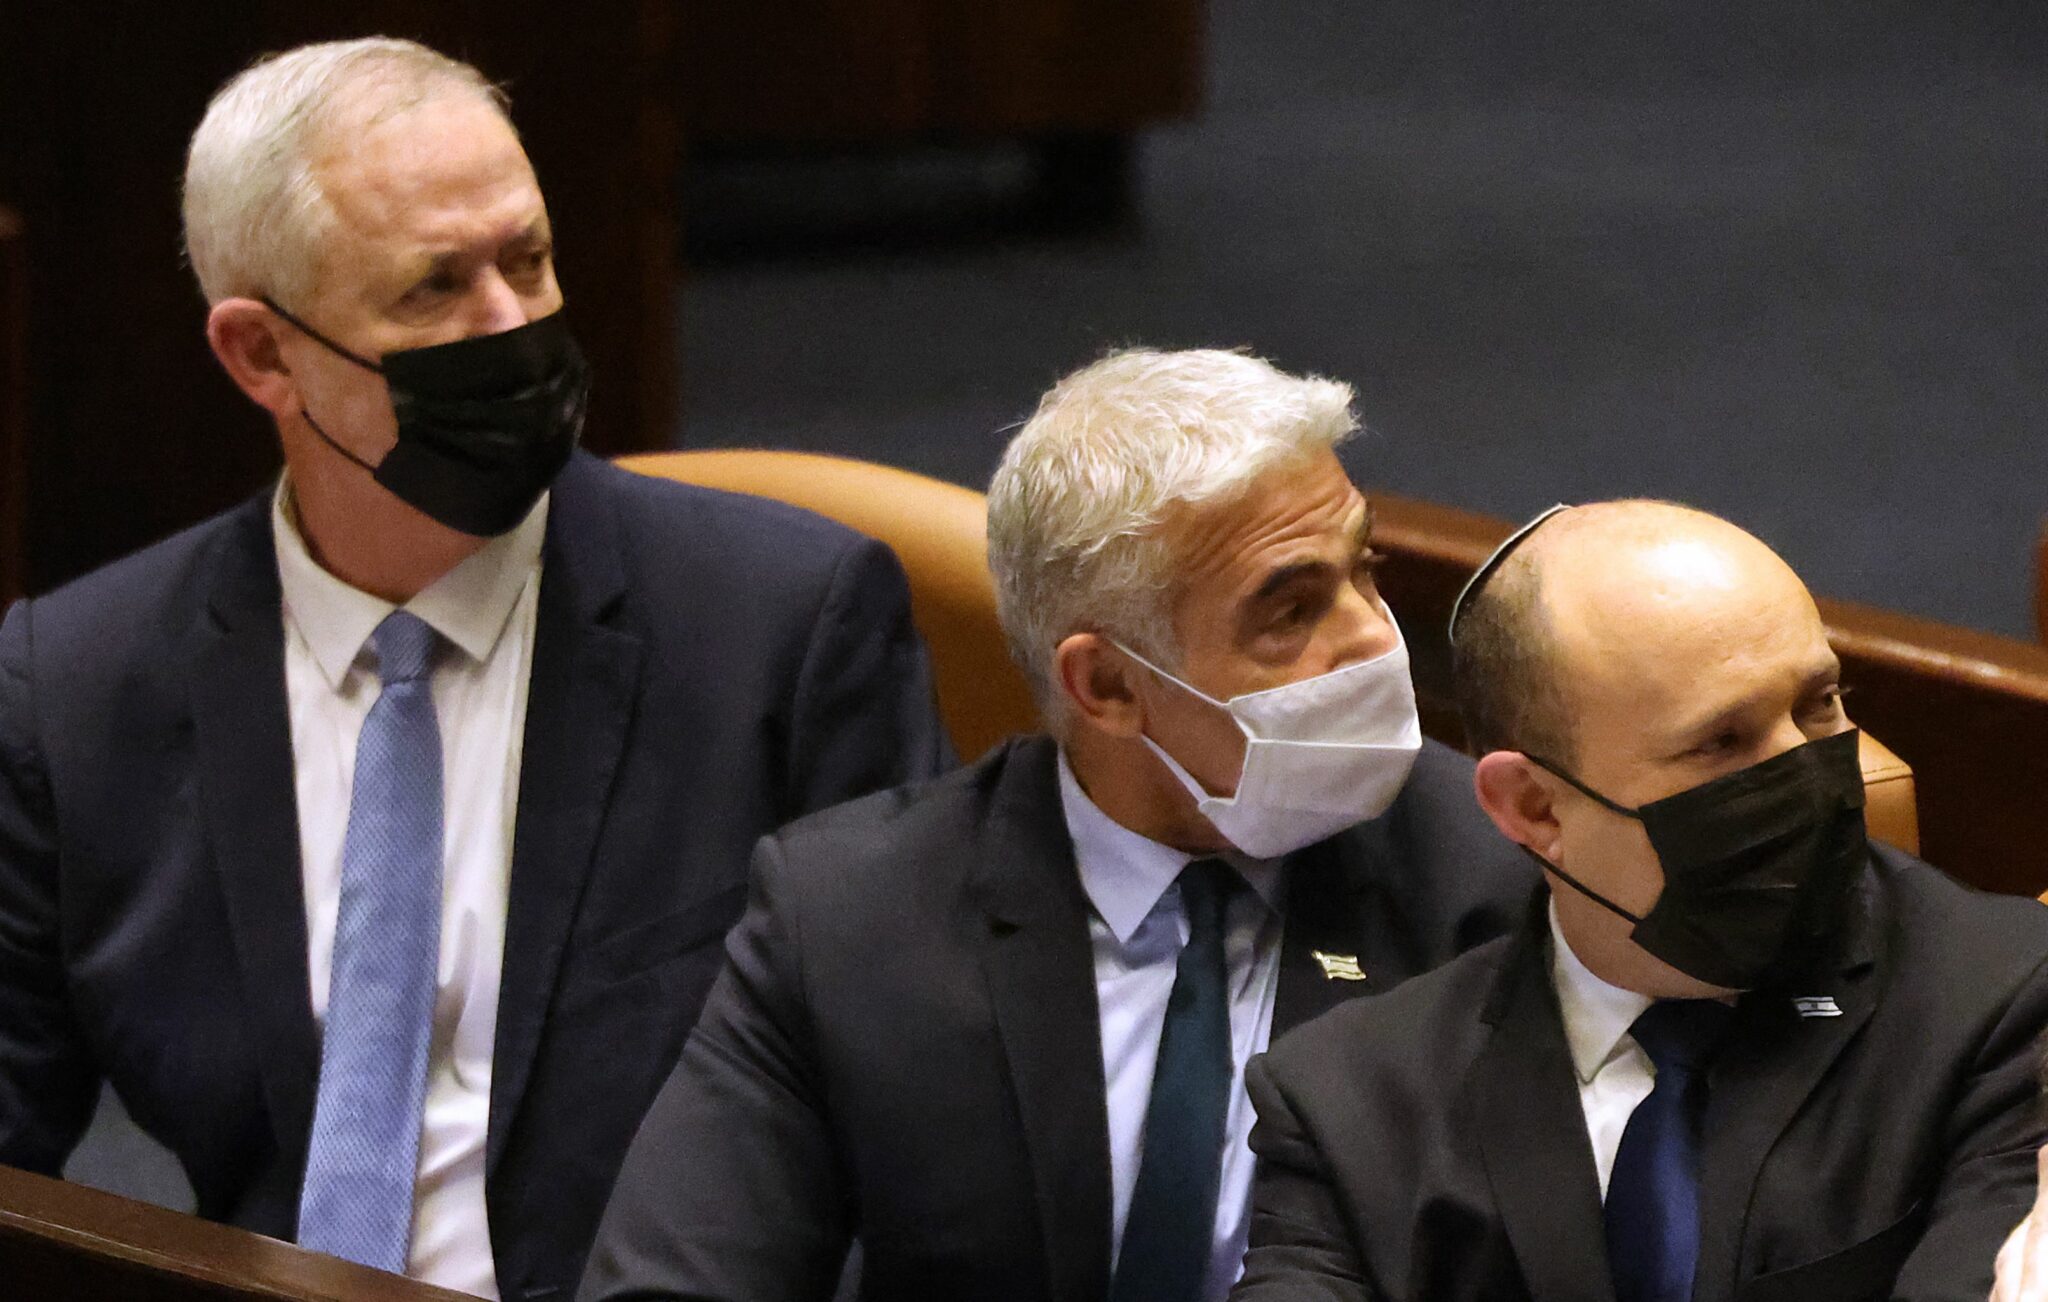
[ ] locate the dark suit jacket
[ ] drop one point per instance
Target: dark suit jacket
(905, 1043)
(1430, 1146)
(705, 667)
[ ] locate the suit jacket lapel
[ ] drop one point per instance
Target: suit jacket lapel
(243, 752)
(1041, 977)
(1326, 908)
(1774, 1059)
(579, 709)
(1532, 1130)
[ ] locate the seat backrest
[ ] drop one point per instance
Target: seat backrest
(940, 533)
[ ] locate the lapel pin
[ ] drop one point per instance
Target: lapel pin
(1339, 967)
(1816, 1006)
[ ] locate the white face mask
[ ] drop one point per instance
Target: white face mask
(1320, 755)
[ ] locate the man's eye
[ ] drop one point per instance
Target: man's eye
(1720, 743)
(1829, 703)
(434, 286)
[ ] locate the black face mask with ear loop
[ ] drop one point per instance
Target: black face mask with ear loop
(1757, 863)
(484, 424)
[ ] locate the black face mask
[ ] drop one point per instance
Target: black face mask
(484, 424)
(1757, 864)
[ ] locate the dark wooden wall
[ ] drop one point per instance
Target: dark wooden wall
(13, 402)
(862, 71)
(134, 429)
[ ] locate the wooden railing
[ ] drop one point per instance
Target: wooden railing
(63, 1242)
(1968, 711)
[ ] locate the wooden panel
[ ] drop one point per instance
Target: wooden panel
(1967, 711)
(63, 1242)
(136, 430)
(852, 71)
(2041, 586)
(13, 405)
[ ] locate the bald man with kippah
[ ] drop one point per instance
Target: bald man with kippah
(1735, 1050)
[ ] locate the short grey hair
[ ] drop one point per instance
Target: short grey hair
(255, 214)
(1075, 507)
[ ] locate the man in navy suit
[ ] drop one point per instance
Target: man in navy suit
(1735, 1052)
(447, 654)
(994, 1026)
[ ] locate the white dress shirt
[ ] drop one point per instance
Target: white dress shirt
(484, 608)
(1136, 931)
(1614, 1073)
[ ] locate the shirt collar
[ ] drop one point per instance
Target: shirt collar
(1596, 1014)
(470, 605)
(1124, 873)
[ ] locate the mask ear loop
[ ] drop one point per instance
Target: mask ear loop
(319, 338)
(338, 351)
(1584, 889)
(1557, 771)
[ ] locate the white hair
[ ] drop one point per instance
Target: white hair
(254, 211)
(1075, 507)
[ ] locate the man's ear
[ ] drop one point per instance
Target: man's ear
(244, 336)
(1100, 684)
(1521, 804)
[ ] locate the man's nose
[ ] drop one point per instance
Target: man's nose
(1783, 737)
(495, 306)
(1366, 630)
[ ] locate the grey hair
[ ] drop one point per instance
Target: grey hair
(1075, 507)
(255, 214)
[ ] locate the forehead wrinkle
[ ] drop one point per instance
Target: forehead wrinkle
(393, 193)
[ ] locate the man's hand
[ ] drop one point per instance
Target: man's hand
(2023, 1261)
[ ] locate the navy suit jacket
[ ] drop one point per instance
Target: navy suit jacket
(905, 1045)
(1431, 1146)
(706, 667)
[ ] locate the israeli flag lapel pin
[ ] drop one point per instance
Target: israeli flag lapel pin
(1816, 1006)
(1339, 967)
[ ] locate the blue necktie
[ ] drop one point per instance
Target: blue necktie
(1653, 1193)
(357, 1198)
(1172, 1222)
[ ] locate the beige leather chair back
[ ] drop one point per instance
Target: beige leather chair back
(939, 531)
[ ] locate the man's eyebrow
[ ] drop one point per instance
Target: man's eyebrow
(1287, 574)
(1732, 713)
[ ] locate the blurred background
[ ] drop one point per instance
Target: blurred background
(1780, 260)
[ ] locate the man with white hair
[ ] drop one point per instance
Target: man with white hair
(995, 1027)
(375, 839)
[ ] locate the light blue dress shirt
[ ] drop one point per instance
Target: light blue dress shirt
(1136, 932)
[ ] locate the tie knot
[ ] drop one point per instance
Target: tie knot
(1205, 887)
(1681, 1034)
(405, 647)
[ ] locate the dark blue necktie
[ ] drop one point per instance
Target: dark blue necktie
(356, 1201)
(1172, 1222)
(1653, 1193)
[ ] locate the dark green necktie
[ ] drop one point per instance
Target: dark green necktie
(1172, 1221)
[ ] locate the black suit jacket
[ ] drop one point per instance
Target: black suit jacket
(905, 1044)
(705, 667)
(1431, 1147)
